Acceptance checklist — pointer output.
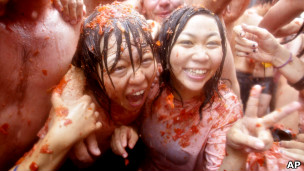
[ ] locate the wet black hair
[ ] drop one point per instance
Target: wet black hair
(125, 24)
(170, 31)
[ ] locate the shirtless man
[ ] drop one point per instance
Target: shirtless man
(250, 72)
(36, 48)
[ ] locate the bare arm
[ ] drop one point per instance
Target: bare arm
(71, 119)
(257, 43)
(283, 12)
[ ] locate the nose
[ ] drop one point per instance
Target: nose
(137, 77)
(164, 3)
(200, 55)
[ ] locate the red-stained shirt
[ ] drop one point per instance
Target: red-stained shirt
(178, 140)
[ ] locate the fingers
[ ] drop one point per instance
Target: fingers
(261, 33)
(56, 100)
(79, 10)
(272, 118)
(81, 154)
(86, 101)
(58, 5)
(65, 11)
(245, 45)
(253, 101)
(72, 11)
(93, 145)
(116, 144)
(98, 124)
(293, 153)
(239, 140)
(300, 137)
(132, 137)
(266, 137)
(292, 144)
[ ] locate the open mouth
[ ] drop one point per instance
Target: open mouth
(196, 73)
(136, 99)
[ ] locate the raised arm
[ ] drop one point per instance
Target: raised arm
(257, 43)
(282, 13)
(71, 119)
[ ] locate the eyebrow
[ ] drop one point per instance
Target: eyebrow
(208, 35)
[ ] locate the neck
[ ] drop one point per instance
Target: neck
(121, 116)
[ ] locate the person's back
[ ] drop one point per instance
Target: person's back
(36, 48)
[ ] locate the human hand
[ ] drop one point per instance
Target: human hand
(85, 151)
(256, 43)
(122, 137)
(294, 148)
(252, 133)
(72, 10)
(72, 110)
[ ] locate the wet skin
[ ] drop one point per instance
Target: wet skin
(36, 49)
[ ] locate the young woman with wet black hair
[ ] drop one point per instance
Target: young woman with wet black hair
(188, 126)
(114, 66)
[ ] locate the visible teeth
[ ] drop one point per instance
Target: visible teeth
(139, 93)
(197, 71)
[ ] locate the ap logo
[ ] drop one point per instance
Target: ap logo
(293, 164)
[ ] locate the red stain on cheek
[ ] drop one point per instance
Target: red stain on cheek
(258, 125)
(4, 128)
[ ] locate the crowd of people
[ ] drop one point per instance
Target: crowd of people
(202, 84)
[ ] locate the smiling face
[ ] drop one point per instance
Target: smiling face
(158, 10)
(196, 56)
(130, 87)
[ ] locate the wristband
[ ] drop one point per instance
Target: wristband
(298, 85)
(287, 62)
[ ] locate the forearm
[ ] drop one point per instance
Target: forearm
(293, 71)
(235, 160)
(280, 14)
(46, 155)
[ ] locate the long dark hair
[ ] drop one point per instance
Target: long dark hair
(170, 31)
(92, 50)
